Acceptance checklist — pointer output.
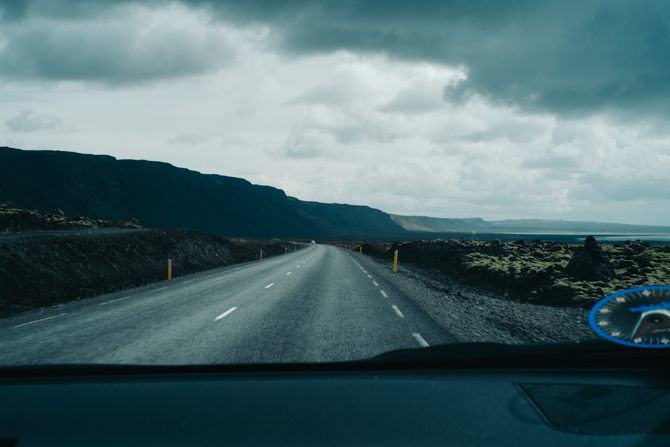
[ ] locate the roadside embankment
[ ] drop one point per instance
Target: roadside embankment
(546, 273)
(39, 270)
(270, 247)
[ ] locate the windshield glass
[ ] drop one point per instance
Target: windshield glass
(219, 182)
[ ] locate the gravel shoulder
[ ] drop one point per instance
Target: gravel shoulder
(473, 315)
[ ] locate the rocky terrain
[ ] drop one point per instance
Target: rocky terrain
(536, 272)
(38, 270)
(470, 314)
(269, 247)
(14, 220)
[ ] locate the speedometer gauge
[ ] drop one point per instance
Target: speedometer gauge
(634, 317)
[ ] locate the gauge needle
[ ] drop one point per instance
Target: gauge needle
(650, 321)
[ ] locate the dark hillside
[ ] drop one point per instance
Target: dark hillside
(163, 196)
(160, 195)
(336, 220)
(157, 194)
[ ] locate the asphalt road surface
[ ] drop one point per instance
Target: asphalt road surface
(319, 304)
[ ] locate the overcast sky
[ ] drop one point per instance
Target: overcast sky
(492, 109)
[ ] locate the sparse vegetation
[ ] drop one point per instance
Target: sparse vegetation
(13, 220)
(536, 271)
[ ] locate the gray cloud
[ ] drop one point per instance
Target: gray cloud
(117, 49)
(190, 139)
(305, 144)
(12, 9)
(568, 58)
(28, 121)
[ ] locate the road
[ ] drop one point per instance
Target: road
(319, 304)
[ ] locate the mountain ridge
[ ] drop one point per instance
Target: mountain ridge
(161, 195)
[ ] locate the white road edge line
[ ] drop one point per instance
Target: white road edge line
(421, 341)
(375, 283)
(114, 301)
(397, 311)
(37, 321)
(225, 313)
(269, 285)
(385, 295)
(288, 273)
(162, 288)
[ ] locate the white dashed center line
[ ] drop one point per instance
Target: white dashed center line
(269, 285)
(298, 267)
(288, 273)
(385, 295)
(114, 301)
(369, 276)
(375, 283)
(364, 271)
(225, 313)
(398, 311)
(37, 321)
(421, 341)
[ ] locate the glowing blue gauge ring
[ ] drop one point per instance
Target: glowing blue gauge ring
(638, 317)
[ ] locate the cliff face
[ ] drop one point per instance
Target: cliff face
(161, 195)
(339, 220)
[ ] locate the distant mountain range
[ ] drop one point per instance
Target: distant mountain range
(160, 195)
(523, 226)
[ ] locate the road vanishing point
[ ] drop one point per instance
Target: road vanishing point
(319, 304)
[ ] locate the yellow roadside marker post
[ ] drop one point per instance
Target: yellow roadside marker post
(361, 253)
(261, 255)
(169, 269)
(395, 261)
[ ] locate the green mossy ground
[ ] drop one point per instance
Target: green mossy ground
(552, 260)
(535, 271)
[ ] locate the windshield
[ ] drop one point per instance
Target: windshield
(224, 182)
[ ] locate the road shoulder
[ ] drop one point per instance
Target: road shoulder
(472, 316)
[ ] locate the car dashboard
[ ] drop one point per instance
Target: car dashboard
(334, 405)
